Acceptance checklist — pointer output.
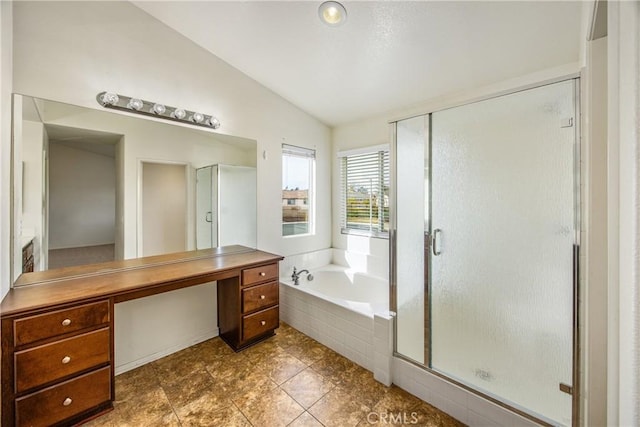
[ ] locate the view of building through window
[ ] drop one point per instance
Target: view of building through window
(297, 190)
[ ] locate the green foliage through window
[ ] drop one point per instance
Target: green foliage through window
(365, 193)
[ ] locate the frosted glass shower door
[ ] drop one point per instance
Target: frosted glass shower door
(501, 294)
(411, 172)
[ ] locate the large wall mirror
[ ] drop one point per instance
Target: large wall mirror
(92, 185)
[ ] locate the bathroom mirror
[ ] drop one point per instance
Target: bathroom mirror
(93, 185)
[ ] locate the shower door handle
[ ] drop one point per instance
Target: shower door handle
(209, 217)
(434, 242)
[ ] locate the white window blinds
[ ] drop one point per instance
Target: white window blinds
(365, 191)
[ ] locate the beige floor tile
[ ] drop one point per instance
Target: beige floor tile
(147, 409)
(263, 350)
(338, 409)
(189, 388)
(333, 367)
(273, 408)
(129, 384)
(269, 384)
(281, 367)
(176, 366)
(214, 349)
(307, 387)
(286, 336)
(360, 383)
(198, 414)
(209, 401)
(238, 378)
(308, 351)
(305, 420)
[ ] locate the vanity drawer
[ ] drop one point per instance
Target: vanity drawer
(259, 323)
(49, 362)
(64, 400)
(259, 274)
(41, 326)
(259, 296)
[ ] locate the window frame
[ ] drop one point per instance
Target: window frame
(310, 154)
(343, 156)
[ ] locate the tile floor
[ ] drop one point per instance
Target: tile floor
(287, 380)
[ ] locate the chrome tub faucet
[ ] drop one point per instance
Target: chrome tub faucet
(296, 275)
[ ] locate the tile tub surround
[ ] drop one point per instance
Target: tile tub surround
(288, 380)
(327, 319)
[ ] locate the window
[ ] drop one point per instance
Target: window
(298, 167)
(365, 191)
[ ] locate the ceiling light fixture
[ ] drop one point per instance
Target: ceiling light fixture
(332, 13)
(148, 108)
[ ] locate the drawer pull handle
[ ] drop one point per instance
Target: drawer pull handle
(262, 297)
(66, 360)
(262, 322)
(67, 401)
(66, 322)
(262, 273)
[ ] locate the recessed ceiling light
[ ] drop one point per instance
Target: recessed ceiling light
(332, 13)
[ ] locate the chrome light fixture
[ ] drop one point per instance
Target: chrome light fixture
(197, 117)
(108, 98)
(179, 113)
(158, 108)
(155, 109)
(135, 104)
(332, 13)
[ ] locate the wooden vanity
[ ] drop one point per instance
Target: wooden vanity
(58, 325)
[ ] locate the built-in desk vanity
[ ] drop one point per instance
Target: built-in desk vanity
(58, 326)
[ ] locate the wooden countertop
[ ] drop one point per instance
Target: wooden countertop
(129, 279)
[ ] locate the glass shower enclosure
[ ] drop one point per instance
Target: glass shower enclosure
(226, 210)
(485, 239)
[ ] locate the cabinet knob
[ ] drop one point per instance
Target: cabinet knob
(262, 273)
(66, 322)
(66, 360)
(67, 401)
(262, 297)
(263, 322)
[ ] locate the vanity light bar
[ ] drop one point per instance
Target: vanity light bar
(154, 109)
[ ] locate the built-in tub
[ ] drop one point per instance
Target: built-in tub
(337, 309)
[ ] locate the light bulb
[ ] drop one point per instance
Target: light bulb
(179, 113)
(332, 13)
(109, 98)
(158, 108)
(197, 117)
(214, 122)
(135, 104)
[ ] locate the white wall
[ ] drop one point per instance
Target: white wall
(82, 197)
(33, 182)
(164, 208)
(70, 51)
(6, 88)
(623, 163)
(593, 250)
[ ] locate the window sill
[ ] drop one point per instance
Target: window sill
(365, 233)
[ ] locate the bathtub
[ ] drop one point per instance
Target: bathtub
(337, 309)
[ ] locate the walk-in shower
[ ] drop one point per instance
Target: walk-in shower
(484, 241)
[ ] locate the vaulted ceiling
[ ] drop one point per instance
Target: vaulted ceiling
(387, 56)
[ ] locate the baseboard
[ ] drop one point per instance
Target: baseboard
(188, 342)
